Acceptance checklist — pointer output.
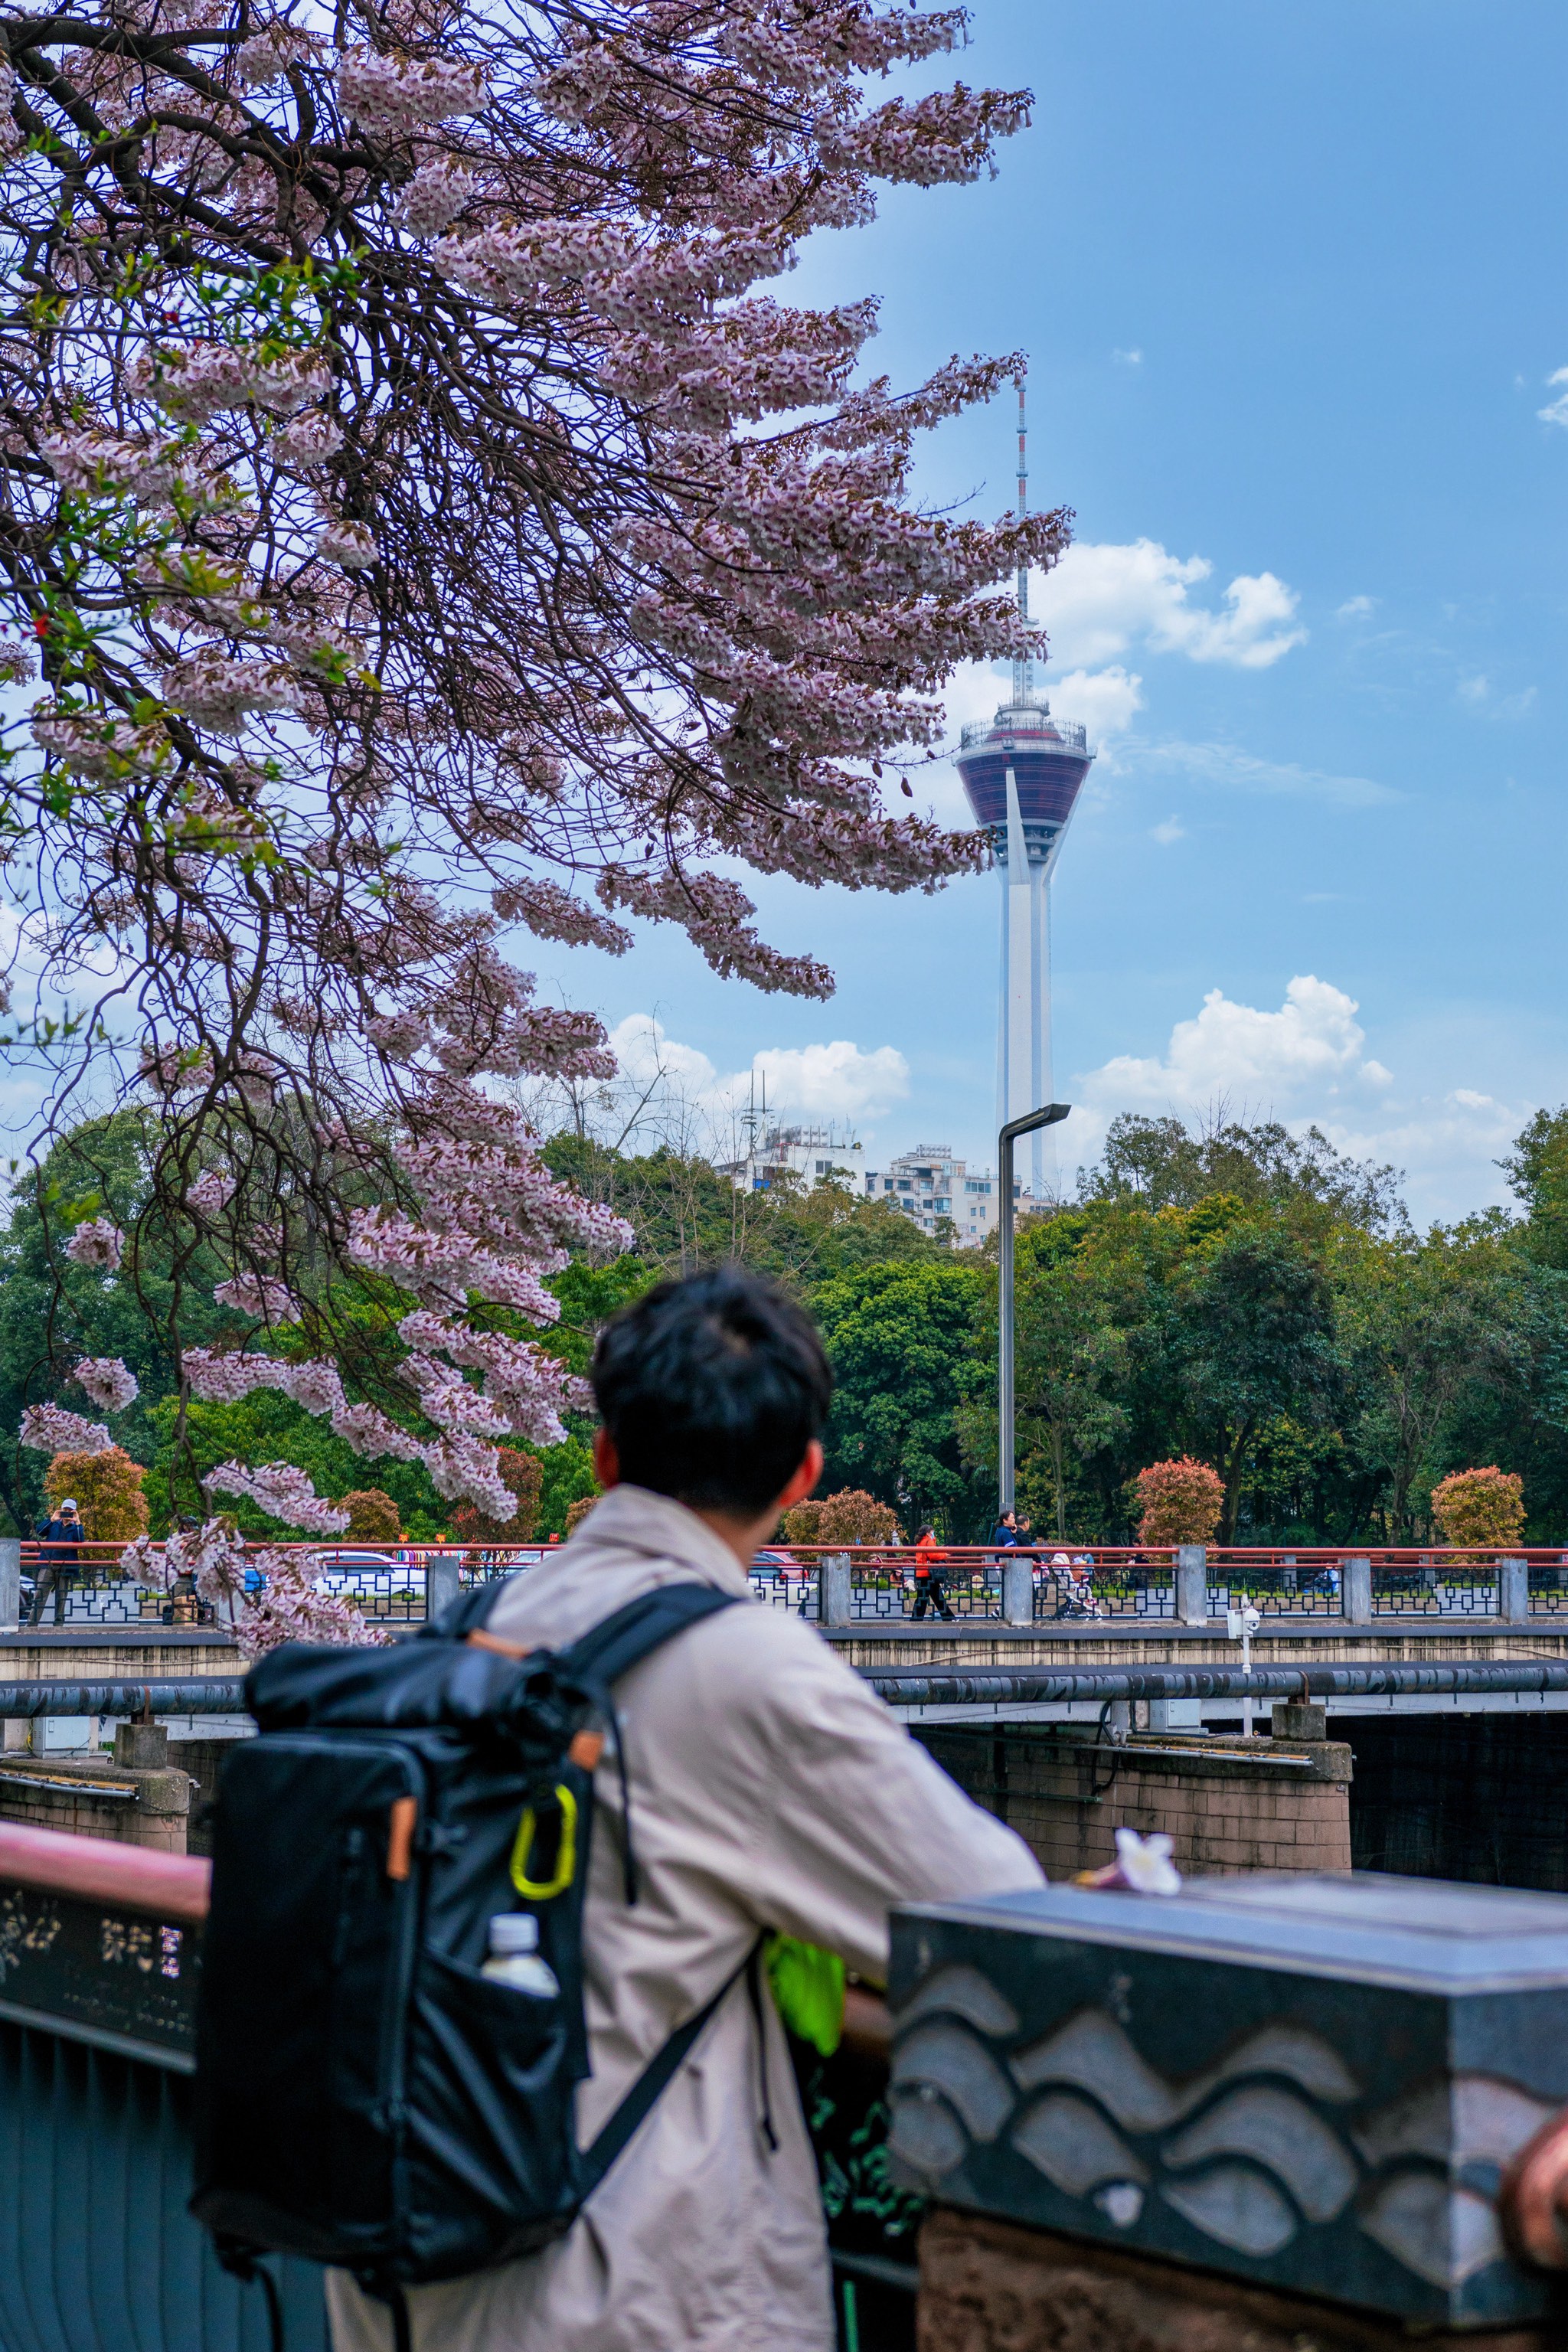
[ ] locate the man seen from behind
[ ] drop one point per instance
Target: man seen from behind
(769, 1791)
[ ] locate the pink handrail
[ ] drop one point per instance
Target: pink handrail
(174, 1886)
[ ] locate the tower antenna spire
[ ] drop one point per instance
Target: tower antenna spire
(1023, 670)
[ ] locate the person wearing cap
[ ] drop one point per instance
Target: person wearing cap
(60, 1556)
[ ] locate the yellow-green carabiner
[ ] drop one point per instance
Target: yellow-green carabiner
(544, 1890)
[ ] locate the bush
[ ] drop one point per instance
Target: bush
(578, 1511)
(800, 1525)
(520, 1474)
(851, 1517)
(107, 1489)
(1180, 1502)
(372, 1515)
(568, 1477)
(1479, 1506)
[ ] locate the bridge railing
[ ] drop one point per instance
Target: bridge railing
(1127, 1586)
(1122, 1586)
(391, 1583)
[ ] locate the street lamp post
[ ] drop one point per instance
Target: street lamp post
(1048, 1116)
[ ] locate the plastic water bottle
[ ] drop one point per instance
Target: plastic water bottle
(514, 1956)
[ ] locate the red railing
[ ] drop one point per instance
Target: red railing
(1111, 1582)
(172, 1885)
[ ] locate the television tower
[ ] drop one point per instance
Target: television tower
(1023, 772)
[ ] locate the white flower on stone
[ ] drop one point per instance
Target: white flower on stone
(1144, 1865)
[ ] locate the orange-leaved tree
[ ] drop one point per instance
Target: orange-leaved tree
(521, 1475)
(372, 1515)
(851, 1517)
(1479, 1506)
(1180, 1502)
(107, 1490)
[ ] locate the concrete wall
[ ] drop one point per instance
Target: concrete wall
(139, 1799)
(1065, 1793)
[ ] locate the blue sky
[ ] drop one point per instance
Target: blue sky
(1290, 282)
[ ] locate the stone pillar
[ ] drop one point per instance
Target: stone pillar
(10, 1582)
(1300, 1720)
(833, 1588)
(1514, 1590)
(141, 1746)
(1193, 1584)
(440, 1583)
(161, 1815)
(1355, 1592)
(1017, 1590)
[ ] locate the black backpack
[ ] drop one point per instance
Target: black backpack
(365, 2096)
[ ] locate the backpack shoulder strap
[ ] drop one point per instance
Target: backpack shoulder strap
(603, 1655)
(466, 1614)
(657, 2076)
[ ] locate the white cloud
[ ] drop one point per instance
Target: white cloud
(644, 1051)
(1133, 358)
(1105, 700)
(1479, 692)
(1313, 1044)
(836, 1081)
(1307, 1065)
(1556, 411)
(1172, 829)
(839, 1081)
(1356, 608)
(1237, 771)
(1102, 600)
(1451, 1144)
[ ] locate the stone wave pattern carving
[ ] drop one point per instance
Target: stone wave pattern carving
(1242, 2152)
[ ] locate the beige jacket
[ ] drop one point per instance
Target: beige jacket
(771, 1789)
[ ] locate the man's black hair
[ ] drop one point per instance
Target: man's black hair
(712, 1389)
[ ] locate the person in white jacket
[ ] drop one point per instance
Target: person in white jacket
(770, 1789)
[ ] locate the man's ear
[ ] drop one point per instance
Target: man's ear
(805, 1478)
(606, 1461)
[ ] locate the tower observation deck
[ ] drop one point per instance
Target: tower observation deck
(1023, 772)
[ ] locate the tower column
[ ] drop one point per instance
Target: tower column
(1023, 772)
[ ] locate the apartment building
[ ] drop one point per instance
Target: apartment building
(784, 1157)
(929, 1186)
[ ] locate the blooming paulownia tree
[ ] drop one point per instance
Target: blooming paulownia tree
(431, 523)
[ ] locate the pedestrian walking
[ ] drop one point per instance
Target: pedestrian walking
(60, 1541)
(931, 1572)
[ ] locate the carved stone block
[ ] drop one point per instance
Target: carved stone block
(1312, 2084)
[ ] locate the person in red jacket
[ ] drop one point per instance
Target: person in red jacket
(930, 1564)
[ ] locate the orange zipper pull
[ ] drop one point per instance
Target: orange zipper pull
(400, 1836)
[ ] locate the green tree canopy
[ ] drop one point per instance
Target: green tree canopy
(900, 1340)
